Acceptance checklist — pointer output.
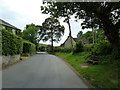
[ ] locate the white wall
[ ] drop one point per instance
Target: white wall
(68, 42)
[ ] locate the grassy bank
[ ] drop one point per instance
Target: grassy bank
(104, 75)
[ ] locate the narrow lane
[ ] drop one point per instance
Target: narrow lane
(41, 71)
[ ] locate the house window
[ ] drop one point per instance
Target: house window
(13, 31)
(3, 27)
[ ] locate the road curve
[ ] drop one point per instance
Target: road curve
(41, 71)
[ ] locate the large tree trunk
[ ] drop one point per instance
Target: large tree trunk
(70, 32)
(112, 34)
(113, 37)
(111, 31)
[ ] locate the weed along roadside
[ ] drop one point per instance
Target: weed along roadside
(99, 76)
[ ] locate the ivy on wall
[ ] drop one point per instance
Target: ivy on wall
(11, 43)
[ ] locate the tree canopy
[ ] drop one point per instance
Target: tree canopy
(104, 15)
(51, 30)
(31, 33)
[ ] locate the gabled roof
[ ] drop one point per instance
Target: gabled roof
(2, 22)
(84, 40)
(76, 40)
(67, 39)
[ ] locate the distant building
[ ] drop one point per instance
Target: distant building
(70, 41)
(9, 27)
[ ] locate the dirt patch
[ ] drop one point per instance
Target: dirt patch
(84, 65)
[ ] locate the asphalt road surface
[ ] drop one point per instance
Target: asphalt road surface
(41, 71)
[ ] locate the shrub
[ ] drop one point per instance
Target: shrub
(115, 54)
(88, 47)
(78, 47)
(11, 43)
(102, 48)
(29, 48)
(63, 49)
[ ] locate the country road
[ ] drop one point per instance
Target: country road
(41, 71)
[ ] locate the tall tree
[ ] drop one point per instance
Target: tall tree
(99, 35)
(31, 33)
(104, 15)
(51, 30)
(59, 10)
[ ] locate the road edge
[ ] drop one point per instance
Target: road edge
(76, 72)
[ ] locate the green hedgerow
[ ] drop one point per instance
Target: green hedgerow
(29, 47)
(11, 43)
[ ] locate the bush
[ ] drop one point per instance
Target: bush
(102, 48)
(115, 54)
(29, 48)
(88, 47)
(11, 43)
(63, 49)
(78, 47)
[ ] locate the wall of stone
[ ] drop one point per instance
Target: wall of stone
(7, 60)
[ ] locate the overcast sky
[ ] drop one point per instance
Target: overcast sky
(22, 12)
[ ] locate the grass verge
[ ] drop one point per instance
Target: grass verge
(103, 75)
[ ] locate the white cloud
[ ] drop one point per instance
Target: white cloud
(22, 12)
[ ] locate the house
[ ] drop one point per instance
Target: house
(70, 41)
(9, 27)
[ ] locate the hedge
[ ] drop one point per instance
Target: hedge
(11, 43)
(29, 48)
(88, 47)
(102, 48)
(63, 49)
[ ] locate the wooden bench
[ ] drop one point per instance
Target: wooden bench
(93, 61)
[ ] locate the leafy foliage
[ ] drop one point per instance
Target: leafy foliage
(31, 33)
(51, 30)
(88, 47)
(78, 47)
(99, 35)
(102, 48)
(63, 49)
(29, 48)
(88, 36)
(41, 47)
(11, 43)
